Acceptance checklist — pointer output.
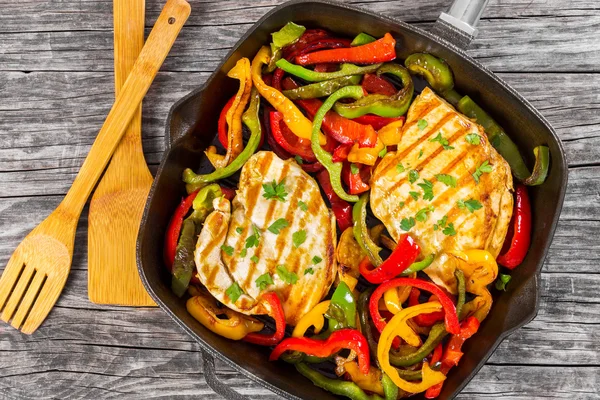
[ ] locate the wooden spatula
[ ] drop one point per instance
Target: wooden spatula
(118, 201)
(37, 271)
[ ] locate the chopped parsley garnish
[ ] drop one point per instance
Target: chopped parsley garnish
(254, 259)
(449, 230)
(446, 179)
(472, 205)
(441, 140)
(278, 225)
(275, 190)
(473, 138)
(413, 175)
(252, 240)
(263, 281)
(441, 223)
(309, 271)
(299, 160)
(401, 204)
(400, 168)
(354, 169)
(423, 214)
(234, 292)
(414, 195)
(239, 230)
(298, 238)
(316, 260)
(502, 281)
(303, 206)
(227, 250)
(407, 223)
(427, 187)
(243, 252)
(420, 154)
(485, 167)
(285, 275)
(422, 124)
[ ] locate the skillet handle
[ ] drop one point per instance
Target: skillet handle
(458, 24)
(215, 384)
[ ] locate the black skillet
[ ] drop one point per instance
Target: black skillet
(192, 126)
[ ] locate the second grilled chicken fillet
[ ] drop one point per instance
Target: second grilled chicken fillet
(239, 247)
(446, 185)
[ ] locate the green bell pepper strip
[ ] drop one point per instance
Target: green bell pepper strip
(461, 288)
(362, 38)
(384, 106)
(322, 155)
(342, 309)
(286, 36)
(203, 203)
(321, 89)
(183, 266)
(451, 96)
(295, 357)
(250, 119)
(390, 390)
(506, 147)
(418, 265)
(335, 386)
(365, 324)
(435, 70)
(312, 76)
(361, 231)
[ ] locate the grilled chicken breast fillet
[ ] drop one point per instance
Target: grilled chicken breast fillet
(422, 149)
(252, 215)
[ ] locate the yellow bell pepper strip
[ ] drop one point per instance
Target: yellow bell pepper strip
(480, 269)
(394, 297)
(314, 318)
(365, 155)
(398, 327)
(203, 308)
(391, 134)
(370, 382)
(292, 116)
(324, 157)
(241, 72)
(348, 254)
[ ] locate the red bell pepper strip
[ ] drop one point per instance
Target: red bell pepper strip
(453, 352)
(381, 50)
(341, 129)
(515, 250)
(346, 338)
(309, 36)
(341, 208)
(378, 85)
(340, 153)
(278, 315)
(290, 142)
(436, 356)
(228, 193)
(424, 319)
(222, 125)
(322, 44)
(277, 77)
(174, 228)
(312, 167)
(376, 121)
(359, 182)
(326, 67)
(405, 253)
(451, 319)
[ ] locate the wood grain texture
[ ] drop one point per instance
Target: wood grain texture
(56, 83)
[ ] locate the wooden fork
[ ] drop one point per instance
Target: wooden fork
(37, 271)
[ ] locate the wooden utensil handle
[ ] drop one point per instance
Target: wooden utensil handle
(161, 38)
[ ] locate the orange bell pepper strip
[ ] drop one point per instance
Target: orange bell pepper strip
(381, 50)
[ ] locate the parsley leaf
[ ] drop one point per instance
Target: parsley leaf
(278, 225)
(441, 223)
(383, 152)
(400, 168)
(427, 187)
(243, 253)
(354, 169)
(309, 271)
(316, 260)
(420, 154)
(263, 281)
(485, 167)
(298, 238)
(413, 175)
(275, 190)
(239, 230)
(447, 180)
(441, 140)
(227, 250)
(472, 205)
(502, 281)
(407, 223)
(252, 240)
(473, 138)
(285, 275)
(422, 124)
(299, 160)
(234, 292)
(414, 195)
(303, 206)
(254, 259)
(401, 204)
(449, 230)
(423, 214)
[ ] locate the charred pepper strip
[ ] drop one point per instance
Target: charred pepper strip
(401, 258)
(250, 119)
(312, 76)
(361, 231)
(381, 50)
(435, 70)
(384, 106)
(321, 89)
(278, 315)
(506, 147)
(335, 386)
(341, 339)
(519, 242)
(324, 157)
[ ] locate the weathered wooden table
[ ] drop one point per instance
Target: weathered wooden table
(56, 87)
